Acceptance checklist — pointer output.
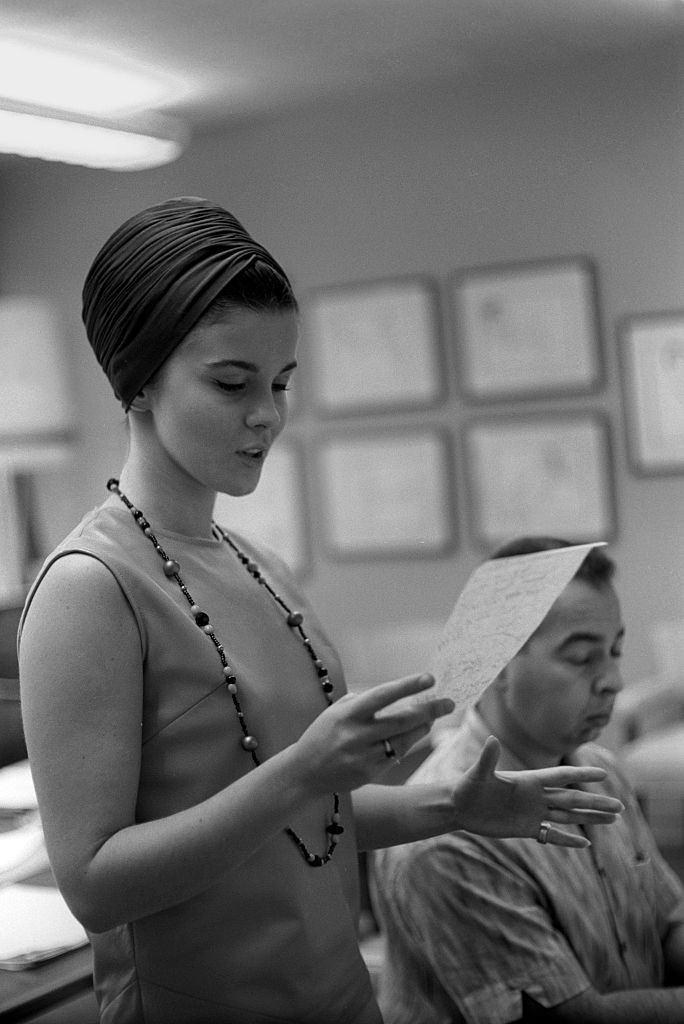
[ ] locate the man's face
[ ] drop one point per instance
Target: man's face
(560, 689)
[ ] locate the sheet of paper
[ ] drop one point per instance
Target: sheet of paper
(17, 791)
(35, 923)
(501, 605)
(22, 851)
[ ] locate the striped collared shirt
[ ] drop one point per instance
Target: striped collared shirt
(472, 922)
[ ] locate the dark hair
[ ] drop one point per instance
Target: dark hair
(597, 569)
(258, 287)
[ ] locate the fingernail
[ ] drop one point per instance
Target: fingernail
(426, 677)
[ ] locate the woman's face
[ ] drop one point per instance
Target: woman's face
(219, 401)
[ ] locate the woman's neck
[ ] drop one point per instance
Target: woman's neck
(170, 501)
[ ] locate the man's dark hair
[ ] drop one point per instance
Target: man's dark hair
(597, 569)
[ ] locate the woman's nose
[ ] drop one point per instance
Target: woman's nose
(264, 412)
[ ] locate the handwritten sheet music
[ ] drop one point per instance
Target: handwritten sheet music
(501, 605)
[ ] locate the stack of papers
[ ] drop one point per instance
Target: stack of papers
(35, 925)
(22, 851)
(22, 846)
(35, 922)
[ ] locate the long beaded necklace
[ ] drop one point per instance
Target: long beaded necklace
(293, 619)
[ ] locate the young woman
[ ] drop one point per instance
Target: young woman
(204, 779)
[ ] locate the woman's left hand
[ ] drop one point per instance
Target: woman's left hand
(515, 803)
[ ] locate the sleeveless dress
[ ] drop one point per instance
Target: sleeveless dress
(272, 940)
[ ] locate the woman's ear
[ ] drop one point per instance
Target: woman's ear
(141, 402)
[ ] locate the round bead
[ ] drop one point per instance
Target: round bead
(208, 628)
(147, 530)
(232, 688)
(195, 608)
(201, 618)
(327, 686)
(112, 484)
(171, 567)
(295, 619)
(249, 742)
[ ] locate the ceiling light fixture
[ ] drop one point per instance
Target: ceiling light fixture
(48, 73)
(116, 146)
(60, 103)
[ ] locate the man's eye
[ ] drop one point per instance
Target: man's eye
(581, 657)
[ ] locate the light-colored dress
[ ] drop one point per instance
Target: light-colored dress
(273, 939)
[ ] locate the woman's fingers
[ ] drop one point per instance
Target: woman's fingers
(557, 837)
(394, 714)
(569, 775)
(487, 761)
(579, 800)
(583, 817)
(384, 694)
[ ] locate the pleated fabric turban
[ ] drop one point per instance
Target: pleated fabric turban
(154, 279)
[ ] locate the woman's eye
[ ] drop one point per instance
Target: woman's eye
(230, 386)
(282, 387)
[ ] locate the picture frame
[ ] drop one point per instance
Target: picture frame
(374, 346)
(549, 474)
(274, 515)
(389, 495)
(36, 399)
(12, 542)
(528, 329)
(651, 347)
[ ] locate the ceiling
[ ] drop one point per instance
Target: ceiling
(241, 59)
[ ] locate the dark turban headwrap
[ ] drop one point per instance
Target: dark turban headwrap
(154, 278)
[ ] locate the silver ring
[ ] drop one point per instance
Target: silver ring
(389, 750)
(543, 836)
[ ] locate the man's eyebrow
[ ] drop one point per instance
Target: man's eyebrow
(243, 364)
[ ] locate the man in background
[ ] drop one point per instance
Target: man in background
(487, 930)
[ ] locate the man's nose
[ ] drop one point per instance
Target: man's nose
(609, 679)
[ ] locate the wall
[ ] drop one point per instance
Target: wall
(588, 161)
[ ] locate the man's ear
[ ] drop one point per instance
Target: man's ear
(502, 681)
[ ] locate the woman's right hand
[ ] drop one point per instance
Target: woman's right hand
(344, 748)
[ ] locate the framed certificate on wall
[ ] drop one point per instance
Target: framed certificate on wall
(652, 359)
(528, 329)
(387, 495)
(543, 474)
(373, 346)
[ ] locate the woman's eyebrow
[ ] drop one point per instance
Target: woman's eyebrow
(242, 364)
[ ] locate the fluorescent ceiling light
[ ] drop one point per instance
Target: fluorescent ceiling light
(47, 74)
(116, 147)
